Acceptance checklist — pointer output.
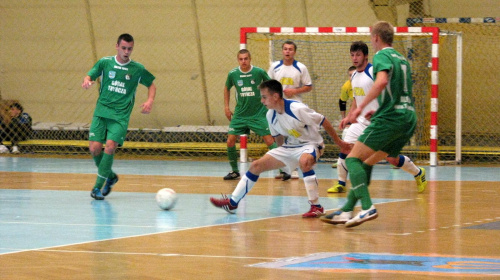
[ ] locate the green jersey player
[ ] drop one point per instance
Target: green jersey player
(120, 77)
(249, 113)
(392, 124)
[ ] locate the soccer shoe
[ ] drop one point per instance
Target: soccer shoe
(283, 176)
(3, 149)
(337, 188)
(109, 185)
(363, 216)
(15, 150)
(314, 212)
(232, 176)
(96, 194)
(295, 174)
(337, 217)
(421, 182)
(224, 203)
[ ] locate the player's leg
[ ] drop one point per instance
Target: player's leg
(232, 156)
(246, 183)
(236, 127)
(97, 137)
(116, 133)
(407, 165)
(306, 163)
(379, 140)
(350, 135)
(360, 179)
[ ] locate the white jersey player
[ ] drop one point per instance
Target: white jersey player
(362, 80)
(303, 147)
(293, 75)
(299, 123)
(295, 79)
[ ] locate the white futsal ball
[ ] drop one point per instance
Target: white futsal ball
(166, 198)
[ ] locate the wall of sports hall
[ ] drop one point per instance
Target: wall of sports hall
(46, 48)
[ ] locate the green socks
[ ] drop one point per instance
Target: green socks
(360, 174)
(233, 158)
(104, 169)
(97, 159)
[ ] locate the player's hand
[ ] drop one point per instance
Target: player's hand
(344, 123)
(353, 115)
(289, 92)
(229, 114)
(345, 147)
(87, 83)
(369, 115)
(147, 107)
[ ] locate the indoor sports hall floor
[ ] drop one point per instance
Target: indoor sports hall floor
(50, 227)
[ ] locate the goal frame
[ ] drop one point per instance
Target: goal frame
(433, 31)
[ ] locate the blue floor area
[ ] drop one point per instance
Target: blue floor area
(221, 168)
(35, 219)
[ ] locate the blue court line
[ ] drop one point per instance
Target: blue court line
(36, 219)
(221, 168)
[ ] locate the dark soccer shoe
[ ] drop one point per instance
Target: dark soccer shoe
(109, 185)
(232, 176)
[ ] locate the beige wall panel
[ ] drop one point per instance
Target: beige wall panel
(464, 8)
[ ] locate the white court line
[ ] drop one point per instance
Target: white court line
(154, 254)
(88, 225)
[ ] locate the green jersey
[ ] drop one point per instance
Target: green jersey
(396, 99)
(118, 86)
(248, 105)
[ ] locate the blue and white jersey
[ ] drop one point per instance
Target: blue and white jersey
(291, 76)
(299, 123)
(361, 83)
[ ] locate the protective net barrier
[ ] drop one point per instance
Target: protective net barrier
(191, 45)
(327, 57)
(480, 103)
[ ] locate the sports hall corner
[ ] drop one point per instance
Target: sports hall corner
(51, 227)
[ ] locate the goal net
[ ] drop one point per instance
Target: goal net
(325, 51)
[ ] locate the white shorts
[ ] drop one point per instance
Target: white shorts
(290, 155)
(353, 132)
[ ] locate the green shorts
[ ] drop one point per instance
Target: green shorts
(102, 129)
(389, 136)
(243, 126)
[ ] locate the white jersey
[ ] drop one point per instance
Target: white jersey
(290, 76)
(361, 83)
(299, 123)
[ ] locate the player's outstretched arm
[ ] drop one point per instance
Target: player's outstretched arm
(344, 146)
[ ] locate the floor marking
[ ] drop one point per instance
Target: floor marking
(421, 264)
(152, 254)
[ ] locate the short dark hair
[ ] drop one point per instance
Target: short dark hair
(359, 46)
(243, 51)
(125, 37)
(17, 105)
(289, 42)
(352, 68)
(273, 86)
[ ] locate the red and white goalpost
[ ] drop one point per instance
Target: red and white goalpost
(297, 33)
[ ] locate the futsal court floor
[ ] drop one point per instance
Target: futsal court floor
(50, 227)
